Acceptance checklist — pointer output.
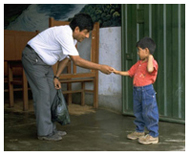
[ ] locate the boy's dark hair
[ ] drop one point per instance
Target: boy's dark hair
(83, 21)
(147, 42)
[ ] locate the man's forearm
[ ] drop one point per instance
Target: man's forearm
(61, 65)
(91, 65)
(86, 64)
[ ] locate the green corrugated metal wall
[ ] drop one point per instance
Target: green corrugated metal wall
(165, 23)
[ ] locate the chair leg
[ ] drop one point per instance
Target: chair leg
(83, 93)
(95, 93)
(25, 92)
(10, 79)
(69, 97)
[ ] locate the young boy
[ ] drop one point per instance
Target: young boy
(145, 109)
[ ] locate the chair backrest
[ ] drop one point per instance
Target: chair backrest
(94, 44)
(14, 43)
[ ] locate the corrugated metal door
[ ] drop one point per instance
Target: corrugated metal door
(165, 23)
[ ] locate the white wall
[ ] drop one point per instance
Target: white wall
(109, 54)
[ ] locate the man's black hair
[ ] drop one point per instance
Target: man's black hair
(83, 21)
(147, 42)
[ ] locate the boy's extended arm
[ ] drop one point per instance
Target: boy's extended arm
(123, 73)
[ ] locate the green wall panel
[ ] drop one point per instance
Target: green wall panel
(165, 23)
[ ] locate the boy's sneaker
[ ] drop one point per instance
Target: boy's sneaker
(135, 135)
(148, 139)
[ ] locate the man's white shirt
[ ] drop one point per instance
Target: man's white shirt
(54, 44)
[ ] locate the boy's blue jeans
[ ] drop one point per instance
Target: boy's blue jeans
(145, 109)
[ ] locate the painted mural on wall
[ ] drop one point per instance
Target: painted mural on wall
(108, 15)
(32, 17)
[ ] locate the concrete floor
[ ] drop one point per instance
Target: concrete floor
(100, 130)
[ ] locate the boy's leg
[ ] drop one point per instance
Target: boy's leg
(137, 110)
(150, 111)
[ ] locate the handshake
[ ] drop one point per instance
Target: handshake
(108, 70)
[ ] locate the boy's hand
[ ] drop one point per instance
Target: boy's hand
(115, 71)
(150, 57)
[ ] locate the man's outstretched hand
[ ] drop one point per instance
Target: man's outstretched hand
(106, 69)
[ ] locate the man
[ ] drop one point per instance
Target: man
(56, 44)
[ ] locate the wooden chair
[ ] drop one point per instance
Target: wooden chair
(14, 43)
(72, 76)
